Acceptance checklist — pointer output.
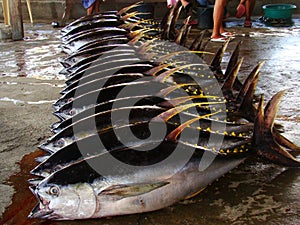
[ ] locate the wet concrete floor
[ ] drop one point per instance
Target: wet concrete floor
(254, 193)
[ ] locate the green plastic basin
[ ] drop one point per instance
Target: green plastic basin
(278, 11)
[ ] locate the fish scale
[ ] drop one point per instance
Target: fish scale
(179, 130)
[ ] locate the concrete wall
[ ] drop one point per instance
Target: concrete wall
(49, 10)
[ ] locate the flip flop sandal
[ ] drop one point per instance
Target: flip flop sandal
(240, 11)
(219, 39)
(228, 34)
(248, 23)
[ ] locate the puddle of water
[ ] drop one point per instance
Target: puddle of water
(33, 84)
(35, 57)
(15, 101)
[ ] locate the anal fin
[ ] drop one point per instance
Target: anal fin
(194, 194)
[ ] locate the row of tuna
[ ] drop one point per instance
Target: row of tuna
(144, 121)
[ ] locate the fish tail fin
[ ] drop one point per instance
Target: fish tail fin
(184, 38)
(231, 78)
(247, 107)
(175, 15)
(250, 79)
(198, 41)
(266, 141)
(233, 59)
(216, 62)
(182, 30)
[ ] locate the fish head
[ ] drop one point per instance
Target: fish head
(67, 113)
(64, 202)
(62, 101)
(59, 103)
(62, 114)
(55, 145)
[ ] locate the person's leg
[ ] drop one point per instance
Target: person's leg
(90, 10)
(97, 6)
(218, 18)
(249, 8)
(67, 12)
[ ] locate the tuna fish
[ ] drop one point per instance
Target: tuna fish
(145, 123)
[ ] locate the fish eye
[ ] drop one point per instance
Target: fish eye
(54, 190)
(66, 112)
(59, 143)
(72, 112)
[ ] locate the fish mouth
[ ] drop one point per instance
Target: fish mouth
(60, 116)
(45, 147)
(41, 212)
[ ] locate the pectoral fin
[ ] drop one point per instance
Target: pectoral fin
(132, 189)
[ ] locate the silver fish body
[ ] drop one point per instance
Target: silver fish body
(143, 191)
